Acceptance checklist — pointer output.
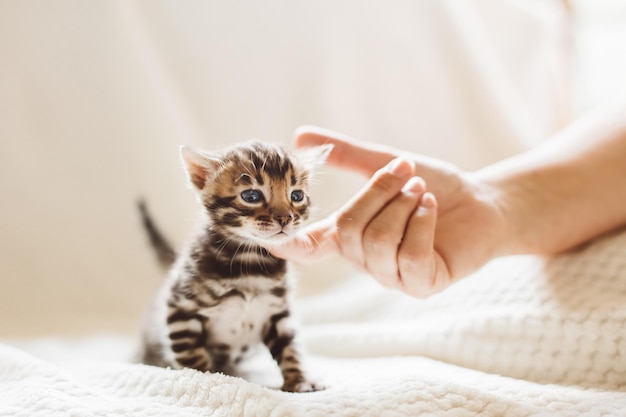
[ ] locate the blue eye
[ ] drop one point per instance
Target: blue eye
(297, 196)
(252, 196)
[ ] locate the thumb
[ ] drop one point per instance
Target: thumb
(349, 154)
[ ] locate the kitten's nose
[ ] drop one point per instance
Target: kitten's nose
(283, 218)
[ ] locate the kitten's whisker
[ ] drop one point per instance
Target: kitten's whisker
(220, 249)
(249, 252)
(232, 260)
(261, 260)
(311, 247)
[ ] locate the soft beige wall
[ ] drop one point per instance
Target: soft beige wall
(599, 58)
(96, 97)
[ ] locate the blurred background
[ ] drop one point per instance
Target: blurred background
(96, 97)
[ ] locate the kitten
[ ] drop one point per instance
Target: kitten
(225, 293)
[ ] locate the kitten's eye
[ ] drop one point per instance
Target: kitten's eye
(252, 196)
(297, 196)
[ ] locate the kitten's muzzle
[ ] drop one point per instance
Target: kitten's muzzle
(283, 219)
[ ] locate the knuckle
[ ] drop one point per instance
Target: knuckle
(412, 262)
(385, 182)
(346, 224)
(380, 236)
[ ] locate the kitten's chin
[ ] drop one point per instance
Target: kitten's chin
(272, 239)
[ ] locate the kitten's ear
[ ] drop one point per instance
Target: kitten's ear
(199, 165)
(315, 156)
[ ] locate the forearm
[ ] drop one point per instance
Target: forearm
(565, 192)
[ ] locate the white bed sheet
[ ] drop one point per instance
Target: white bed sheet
(524, 336)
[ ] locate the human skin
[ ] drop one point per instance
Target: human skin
(420, 224)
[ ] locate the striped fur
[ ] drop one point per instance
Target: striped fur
(225, 293)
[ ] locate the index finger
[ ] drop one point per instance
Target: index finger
(361, 157)
(316, 241)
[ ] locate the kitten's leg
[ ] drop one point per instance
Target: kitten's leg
(187, 337)
(280, 341)
(220, 353)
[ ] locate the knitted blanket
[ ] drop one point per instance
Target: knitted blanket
(524, 336)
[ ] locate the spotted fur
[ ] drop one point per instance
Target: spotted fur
(225, 293)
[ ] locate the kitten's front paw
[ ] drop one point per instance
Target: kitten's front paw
(302, 386)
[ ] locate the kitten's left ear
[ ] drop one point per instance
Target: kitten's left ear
(315, 156)
(199, 165)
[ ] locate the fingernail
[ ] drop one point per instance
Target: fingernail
(428, 201)
(400, 167)
(414, 185)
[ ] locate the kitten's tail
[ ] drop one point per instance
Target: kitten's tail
(164, 252)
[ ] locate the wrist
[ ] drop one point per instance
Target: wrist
(500, 226)
(522, 205)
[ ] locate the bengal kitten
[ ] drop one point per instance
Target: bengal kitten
(225, 293)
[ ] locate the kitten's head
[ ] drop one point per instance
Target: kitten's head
(255, 191)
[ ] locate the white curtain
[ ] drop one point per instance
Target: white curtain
(96, 97)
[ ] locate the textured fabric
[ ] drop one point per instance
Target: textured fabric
(561, 320)
(523, 336)
(359, 387)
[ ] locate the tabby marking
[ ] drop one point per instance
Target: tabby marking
(225, 292)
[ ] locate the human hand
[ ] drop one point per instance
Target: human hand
(418, 225)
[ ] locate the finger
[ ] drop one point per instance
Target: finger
(384, 234)
(349, 154)
(315, 242)
(417, 265)
(366, 158)
(358, 212)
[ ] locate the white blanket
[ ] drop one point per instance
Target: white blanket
(523, 336)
